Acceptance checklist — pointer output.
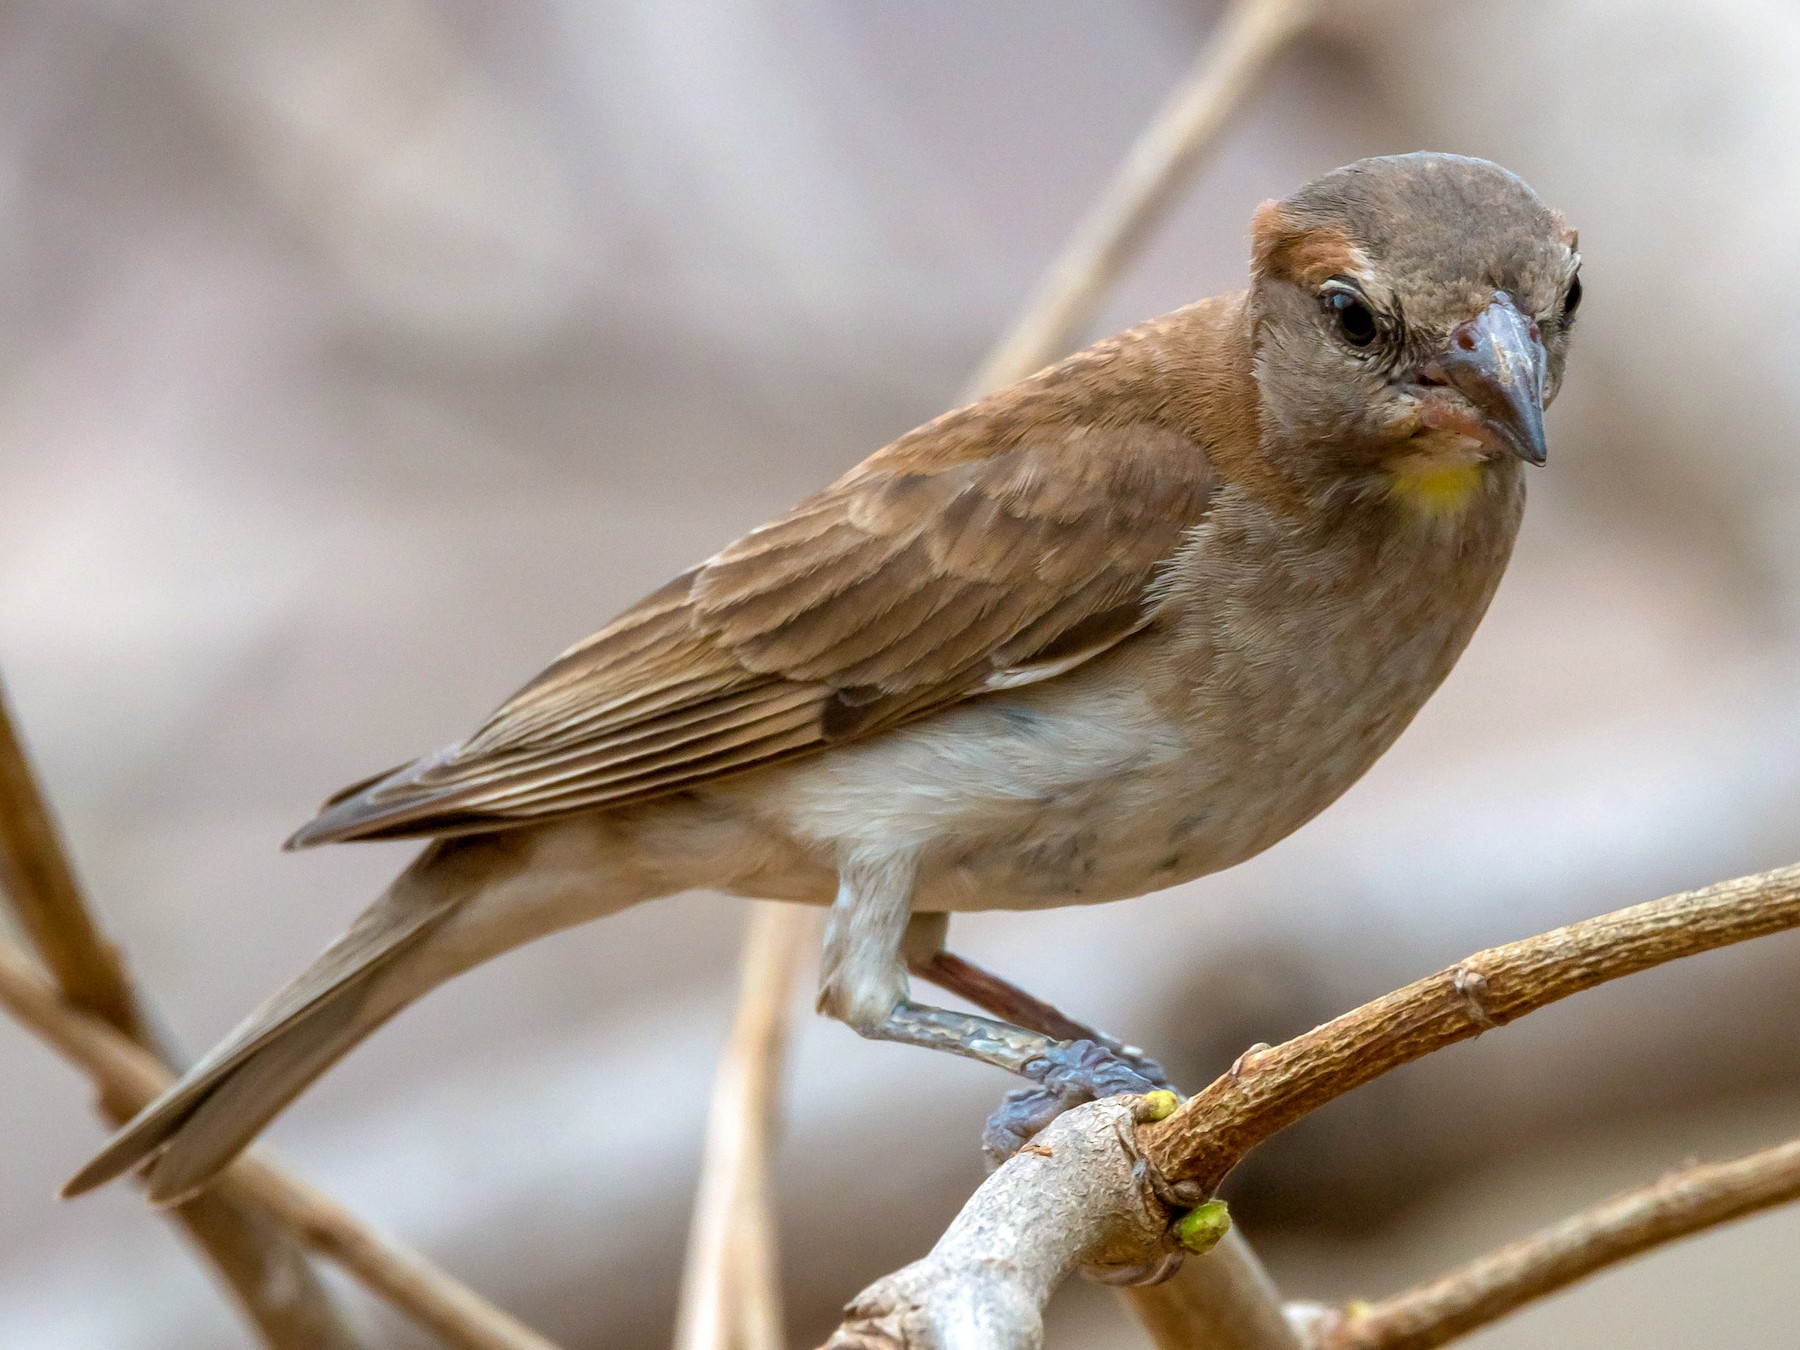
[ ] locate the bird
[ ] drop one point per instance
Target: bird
(1125, 623)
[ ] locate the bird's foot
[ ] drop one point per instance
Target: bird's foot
(1068, 1074)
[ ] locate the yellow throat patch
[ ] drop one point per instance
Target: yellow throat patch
(1434, 486)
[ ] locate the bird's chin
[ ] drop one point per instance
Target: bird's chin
(1433, 447)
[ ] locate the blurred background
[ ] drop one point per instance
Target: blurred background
(355, 358)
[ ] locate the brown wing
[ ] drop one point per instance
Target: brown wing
(988, 549)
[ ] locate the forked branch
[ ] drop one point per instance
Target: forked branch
(930, 1306)
(1077, 1195)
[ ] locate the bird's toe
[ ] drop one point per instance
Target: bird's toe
(1070, 1073)
(1085, 1071)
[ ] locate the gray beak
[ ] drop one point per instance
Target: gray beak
(1496, 362)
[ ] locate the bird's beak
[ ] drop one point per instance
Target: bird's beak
(1496, 362)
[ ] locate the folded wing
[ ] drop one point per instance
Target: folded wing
(1002, 544)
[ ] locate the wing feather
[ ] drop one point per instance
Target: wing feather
(1002, 544)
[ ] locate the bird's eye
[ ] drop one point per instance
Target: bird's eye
(1354, 320)
(1572, 298)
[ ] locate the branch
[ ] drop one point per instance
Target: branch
(986, 1282)
(259, 1263)
(41, 886)
(1145, 186)
(1077, 1195)
(131, 1076)
(1494, 1285)
(1272, 1088)
(731, 1292)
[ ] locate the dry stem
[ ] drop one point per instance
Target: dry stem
(730, 1292)
(130, 1075)
(1105, 242)
(258, 1262)
(1197, 1146)
(1146, 184)
(1494, 1285)
(43, 892)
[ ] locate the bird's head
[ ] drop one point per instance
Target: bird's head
(1412, 316)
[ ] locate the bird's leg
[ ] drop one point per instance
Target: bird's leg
(1025, 1110)
(1001, 997)
(1068, 1072)
(863, 982)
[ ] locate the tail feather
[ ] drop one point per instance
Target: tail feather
(462, 901)
(251, 1095)
(214, 1109)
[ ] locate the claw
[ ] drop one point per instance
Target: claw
(1085, 1071)
(1020, 1115)
(1071, 1073)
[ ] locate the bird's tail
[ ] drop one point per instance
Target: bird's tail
(383, 963)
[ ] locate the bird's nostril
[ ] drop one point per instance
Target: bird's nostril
(1465, 339)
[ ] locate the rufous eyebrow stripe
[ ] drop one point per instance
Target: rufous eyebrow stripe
(1308, 254)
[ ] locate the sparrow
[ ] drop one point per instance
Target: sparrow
(1125, 623)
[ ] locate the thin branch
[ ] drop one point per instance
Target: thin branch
(1271, 1089)
(730, 1293)
(1490, 1287)
(1145, 186)
(130, 1075)
(259, 1263)
(41, 886)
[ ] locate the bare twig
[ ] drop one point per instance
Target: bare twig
(1264, 1092)
(41, 886)
(730, 1293)
(130, 1075)
(1146, 184)
(1494, 1285)
(259, 1263)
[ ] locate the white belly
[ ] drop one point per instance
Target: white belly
(1063, 794)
